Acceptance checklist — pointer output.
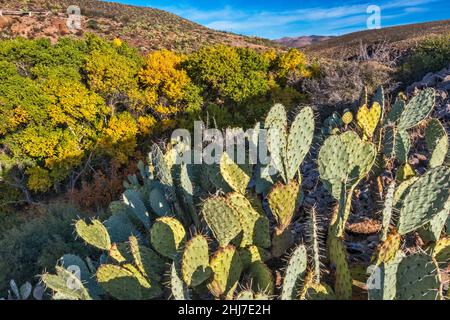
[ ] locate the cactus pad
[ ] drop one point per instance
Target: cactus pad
(417, 278)
(437, 142)
(295, 270)
(237, 176)
(283, 200)
(66, 284)
(167, 236)
(425, 198)
(227, 268)
(262, 278)
(195, 261)
(94, 234)
(255, 226)
(299, 141)
(417, 109)
(368, 119)
(344, 158)
(222, 219)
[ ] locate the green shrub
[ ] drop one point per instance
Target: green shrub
(430, 55)
(31, 247)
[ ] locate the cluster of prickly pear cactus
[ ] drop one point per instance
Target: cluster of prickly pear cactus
(215, 231)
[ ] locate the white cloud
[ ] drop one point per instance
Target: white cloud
(322, 19)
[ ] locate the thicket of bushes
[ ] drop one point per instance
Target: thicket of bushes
(80, 106)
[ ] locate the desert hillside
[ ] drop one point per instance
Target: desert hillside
(399, 38)
(300, 42)
(142, 27)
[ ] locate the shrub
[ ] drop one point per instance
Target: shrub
(26, 250)
(430, 55)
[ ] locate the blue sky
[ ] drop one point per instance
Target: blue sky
(278, 18)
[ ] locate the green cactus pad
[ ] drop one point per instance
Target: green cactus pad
(67, 284)
(382, 283)
(276, 123)
(338, 257)
(222, 219)
(437, 142)
(179, 290)
(387, 210)
(417, 109)
(120, 227)
(146, 260)
(313, 240)
(94, 234)
(417, 278)
(158, 202)
(283, 200)
(261, 278)
(396, 111)
(344, 158)
(425, 198)
(195, 262)
(299, 141)
(167, 236)
(70, 260)
(295, 270)
(255, 226)
(126, 283)
(237, 176)
(136, 206)
(432, 230)
(402, 145)
(227, 268)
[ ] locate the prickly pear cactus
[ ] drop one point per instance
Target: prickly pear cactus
(167, 236)
(295, 270)
(425, 198)
(287, 151)
(66, 285)
(283, 200)
(368, 119)
(227, 268)
(299, 141)
(255, 226)
(437, 142)
(347, 117)
(344, 158)
(222, 219)
(417, 109)
(195, 261)
(262, 278)
(418, 278)
(338, 257)
(94, 234)
(237, 176)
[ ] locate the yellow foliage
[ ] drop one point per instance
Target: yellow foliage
(164, 80)
(146, 124)
(20, 116)
(293, 62)
(118, 139)
(117, 42)
(38, 179)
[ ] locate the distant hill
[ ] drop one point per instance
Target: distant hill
(399, 39)
(143, 27)
(300, 42)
